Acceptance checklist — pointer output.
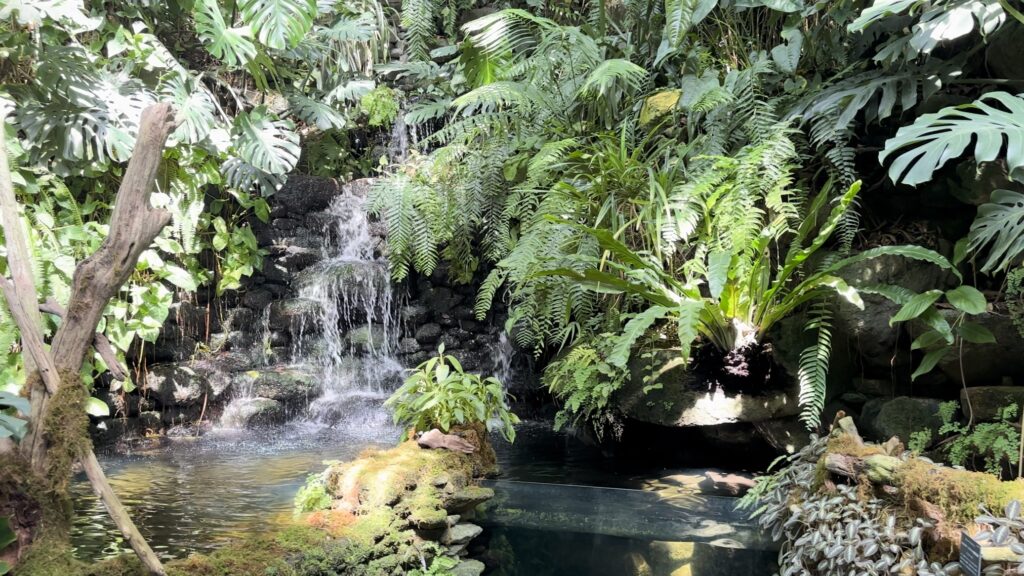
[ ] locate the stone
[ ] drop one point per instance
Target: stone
(904, 415)
(469, 567)
(450, 341)
(297, 258)
(428, 333)
(175, 385)
(253, 413)
(240, 318)
(284, 224)
(257, 299)
(289, 386)
(367, 338)
(408, 346)
(276, 273)
(171, 346)
(150, 422)
(680, 402)
(441, 299)
(415, 314)
(986, 402)
(461, 533)
(985, 364)
(302, 194)
(868, 330)
(874, 386)
(853, 398)
(295, 315)
(360, 187)
(467, 499)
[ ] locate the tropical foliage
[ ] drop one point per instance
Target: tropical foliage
(439, 393)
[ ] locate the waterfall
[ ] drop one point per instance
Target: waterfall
(355, 316)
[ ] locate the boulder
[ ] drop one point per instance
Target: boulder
(175, 385)
(988, 401)
(469, 567)
(302, 194)
(874, 386)
(408, 346)
(367, 338)
(415, 314)
(683, 400)
(257, 299)
(428, 333)
(986, 364)
(172, 345)
(289, 386)
(441, 299)
(868, 330)
(360, 187)
(253, 413)
(903, 416)
(461, 533)
(297, 258)
(240, 318)
(295, 315)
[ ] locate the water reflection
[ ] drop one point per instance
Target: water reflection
(193, 495)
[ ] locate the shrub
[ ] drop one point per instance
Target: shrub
(439, 393)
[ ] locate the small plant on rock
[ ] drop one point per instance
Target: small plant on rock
(440, 394)
(312, 496)
(995, 444)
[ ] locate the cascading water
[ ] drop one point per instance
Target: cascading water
(355, 319)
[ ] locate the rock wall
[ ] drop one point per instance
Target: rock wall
(260, 343)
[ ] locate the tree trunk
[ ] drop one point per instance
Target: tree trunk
(134, 225)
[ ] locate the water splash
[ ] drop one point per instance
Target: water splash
(355, 316)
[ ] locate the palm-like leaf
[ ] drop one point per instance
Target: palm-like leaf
(315, 112)
(279, 24)
(997, 118)
(265, 143)
(681, 16)
(999, 228)
(231, 46)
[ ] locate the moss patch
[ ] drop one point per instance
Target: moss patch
(959, 493)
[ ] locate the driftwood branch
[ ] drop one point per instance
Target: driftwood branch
(134, 224)
(99, 342)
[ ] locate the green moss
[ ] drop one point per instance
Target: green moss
(261, 555)
(959, 493)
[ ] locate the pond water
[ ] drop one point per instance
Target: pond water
(193, 495)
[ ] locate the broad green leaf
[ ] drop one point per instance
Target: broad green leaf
(993, 123)
(998, 229)
(315, 113)
(681, 16)
(265, 143)
(633, 331)
(180, 277)
(975, 333)
(19, 403)
(928, 340)
(928, 362)
(231, 46)
(967, 299)
(279, 24)
(96, 407)
(916, 306)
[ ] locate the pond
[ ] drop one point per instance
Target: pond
(193, 495)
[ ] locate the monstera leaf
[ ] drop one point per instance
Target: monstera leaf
(266, 143)
(231, 46)
(9, 425)
(279, 24)
(315, 112)
(997, 118)
(999, 228)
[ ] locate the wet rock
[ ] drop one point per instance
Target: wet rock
(295, 315)
(284, 224)
(302, 194)
(171, 346)
(150, 422)
(787, 435)
(257, 299)
(253, 413)
(175, 385)
(240, 318)
(415, 314)
(124, 405)
(987, 402)
(903, 416)
(367, 338)
(442, 299)
(428, 333)
(297, 258)
(461, 533)
(450, 341)
(408, 346)
(289, 386)
(467, 499)
(469, 567)
(729, 484)
(276, 273)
